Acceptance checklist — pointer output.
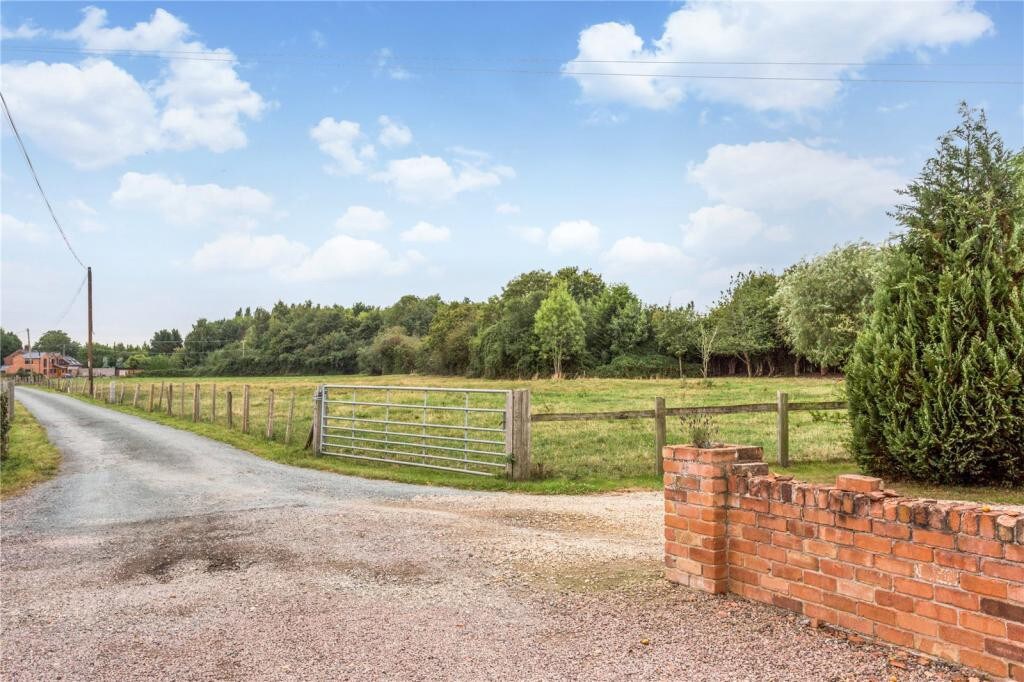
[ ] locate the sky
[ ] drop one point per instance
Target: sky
(203, 157)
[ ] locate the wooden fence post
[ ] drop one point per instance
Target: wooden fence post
(195, 403)
(213, 406)
(659, 436)
(170, 399)
(135, 397)
(288, 424)
(245, 408)
(314, 428)
(520, 421)
(160, 402)
(152, 394)
(181, 400)
(227, 404)
(120, 397)
(782, 427)
(270, 415)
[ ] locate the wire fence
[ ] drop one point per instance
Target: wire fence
(282, 416)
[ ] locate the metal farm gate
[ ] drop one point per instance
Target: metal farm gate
(468, 430)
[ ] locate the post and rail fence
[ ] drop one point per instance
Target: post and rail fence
(466, 430)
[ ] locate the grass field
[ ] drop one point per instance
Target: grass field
(576, 456)
(32, 457)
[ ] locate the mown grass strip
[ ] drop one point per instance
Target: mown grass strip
(32, 457)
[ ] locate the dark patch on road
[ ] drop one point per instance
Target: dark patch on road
(205, 545)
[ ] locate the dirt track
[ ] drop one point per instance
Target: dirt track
(160, 554)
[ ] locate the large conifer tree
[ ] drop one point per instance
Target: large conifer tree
(936, 381)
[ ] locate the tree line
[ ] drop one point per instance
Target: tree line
(565, 323)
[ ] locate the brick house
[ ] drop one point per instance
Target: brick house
(37, 362)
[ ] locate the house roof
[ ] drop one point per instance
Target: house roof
(36, 355)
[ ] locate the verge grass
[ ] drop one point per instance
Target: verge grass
(31, 459)
(571, 457)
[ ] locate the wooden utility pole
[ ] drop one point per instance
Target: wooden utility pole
(88, 353)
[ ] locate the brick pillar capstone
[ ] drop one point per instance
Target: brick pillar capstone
(696, 511)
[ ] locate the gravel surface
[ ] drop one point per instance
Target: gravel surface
(158, 554)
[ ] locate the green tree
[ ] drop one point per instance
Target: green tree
(823, 303)
(677, 331)
(392, 352)
(558, 325)
(616, 323)
(165, 341)
(447, 347)
(9, 342)
(936, 381)
(57, 341)
(747, 319)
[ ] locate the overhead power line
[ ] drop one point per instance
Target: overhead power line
(71, 303)
(438, 64)
(35, 176)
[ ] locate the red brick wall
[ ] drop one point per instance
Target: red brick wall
(945, 579)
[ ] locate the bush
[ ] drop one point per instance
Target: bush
(638, 367)
(936, 381)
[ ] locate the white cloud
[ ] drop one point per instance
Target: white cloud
(344, 256)
(789, 175)
(362, 219)
(96, 113)
(240, 251)
(182, 204)
(13, 229)
(574, 235)
(392, 133)
(721, 226)
(93, 114)
(428, 179)
(634, 254)
(25, 31)
(344, 142)
(507, 209)
(755, 32)
(425, 232)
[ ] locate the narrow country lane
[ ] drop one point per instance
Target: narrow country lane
(160, 554)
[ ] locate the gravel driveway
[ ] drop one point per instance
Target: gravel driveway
(160, 554)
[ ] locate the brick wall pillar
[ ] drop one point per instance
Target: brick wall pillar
(696, 512)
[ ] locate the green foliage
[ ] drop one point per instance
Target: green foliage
(57, 341)
(559, 327)
(824, 302)
(635, 366)
(677, 331)
(936, 381)
(747, 319)
(448, 346)
(9, 342)
(165, 341)
(392, 352)
(5, 423)
(615, 322)
(701, 430)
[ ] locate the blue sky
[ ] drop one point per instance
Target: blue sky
(247, 153)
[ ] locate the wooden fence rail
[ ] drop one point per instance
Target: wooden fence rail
(782, 407)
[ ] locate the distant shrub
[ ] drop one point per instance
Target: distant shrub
(638, 367)
(701, 430)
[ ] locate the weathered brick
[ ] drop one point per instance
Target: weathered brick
(1005, 650)
(914, 587)
(857, 483)
(894, 635)
(872, 543)
(930, 609)
(825, 582)
(918, 624)
(958, 598)
(985, 624)
(909, 550)
(983, 585)
(876, 613)
(893, 600)
(973, 545)
(984, 662)
(1013, 572)
(934, 538)
(964, 562)
(964, 638)
(1002, 609)
(788, 603)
